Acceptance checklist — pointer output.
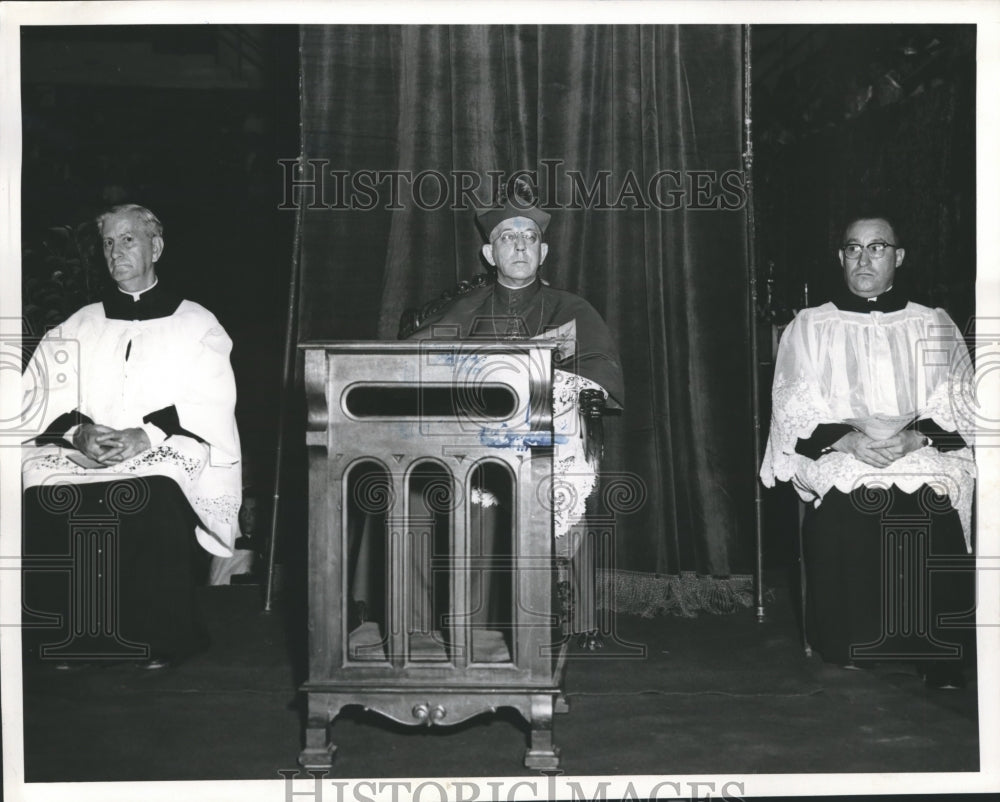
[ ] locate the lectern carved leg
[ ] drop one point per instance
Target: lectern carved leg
(542, 753)
(319, 750)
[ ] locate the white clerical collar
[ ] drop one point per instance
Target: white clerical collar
(874, 298)
(137, 295)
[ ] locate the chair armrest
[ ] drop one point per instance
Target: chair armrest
(592, 404)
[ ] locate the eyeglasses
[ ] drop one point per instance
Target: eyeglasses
(508, 237)
(875, 249)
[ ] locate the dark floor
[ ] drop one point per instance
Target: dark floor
(713, 694)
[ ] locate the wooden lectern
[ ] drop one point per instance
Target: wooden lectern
(382, 416)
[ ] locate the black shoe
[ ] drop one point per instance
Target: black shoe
(943, 676)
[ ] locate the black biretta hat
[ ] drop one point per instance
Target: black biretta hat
(522, 205)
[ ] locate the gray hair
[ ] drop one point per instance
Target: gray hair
(149, 220)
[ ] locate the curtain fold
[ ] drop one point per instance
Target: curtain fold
(914, 159)
(597, 112)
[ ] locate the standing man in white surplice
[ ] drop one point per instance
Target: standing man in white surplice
(872, 423)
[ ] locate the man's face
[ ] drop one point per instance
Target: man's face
(516, 250)
(130, 251)
(867, 275)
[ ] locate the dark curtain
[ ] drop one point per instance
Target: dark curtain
(914, 159)
(622, 102)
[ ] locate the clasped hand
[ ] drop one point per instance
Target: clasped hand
(110, 446)
(879, 453)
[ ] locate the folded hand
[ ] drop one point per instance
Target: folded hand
(899, 445)
(122, 444)
(879, 453)
(109, 446)
(88, 439)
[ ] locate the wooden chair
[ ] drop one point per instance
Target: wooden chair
(413, 317)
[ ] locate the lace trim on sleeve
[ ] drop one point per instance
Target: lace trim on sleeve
(574, 478)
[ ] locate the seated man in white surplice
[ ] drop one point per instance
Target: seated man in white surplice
(137, 403)
(870, 422)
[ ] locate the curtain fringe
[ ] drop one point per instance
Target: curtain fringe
(649, 595)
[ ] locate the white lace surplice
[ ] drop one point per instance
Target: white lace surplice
(835, 365)
(181, 361)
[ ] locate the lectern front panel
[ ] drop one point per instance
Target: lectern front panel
(430, 542)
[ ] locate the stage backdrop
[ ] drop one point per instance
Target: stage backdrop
(588, 110)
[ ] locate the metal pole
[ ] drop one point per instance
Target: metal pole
(286, 389)
(752, 316)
